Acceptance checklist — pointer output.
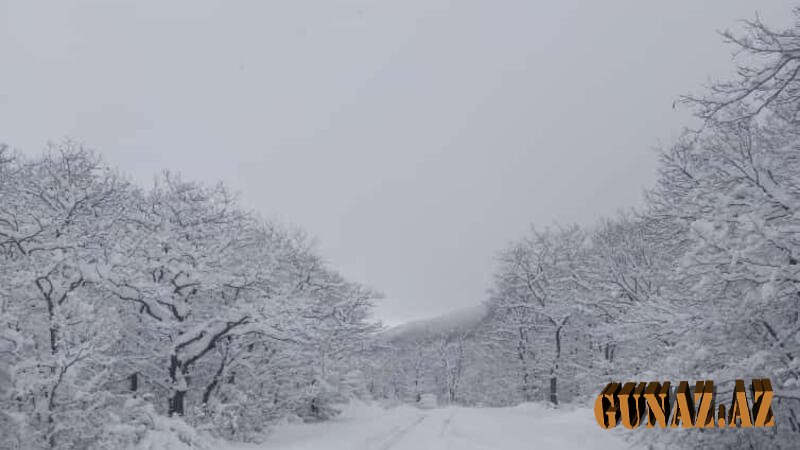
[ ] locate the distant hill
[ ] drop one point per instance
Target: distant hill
(462, 320)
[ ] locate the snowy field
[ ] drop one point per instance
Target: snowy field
(527, 427)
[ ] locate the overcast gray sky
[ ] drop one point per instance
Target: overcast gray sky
(413, 138)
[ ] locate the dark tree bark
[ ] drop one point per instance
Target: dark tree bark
(554, 369)
(134, 382)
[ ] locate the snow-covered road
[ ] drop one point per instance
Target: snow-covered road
(525, 427)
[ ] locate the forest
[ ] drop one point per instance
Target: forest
(129, 311)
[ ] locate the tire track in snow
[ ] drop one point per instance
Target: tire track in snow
(446, 424)
(394, 436)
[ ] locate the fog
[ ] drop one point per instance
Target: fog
(413, 138)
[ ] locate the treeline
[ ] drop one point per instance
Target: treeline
(121, 307)
(703, 282)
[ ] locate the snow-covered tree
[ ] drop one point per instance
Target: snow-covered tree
(118, 302)
(540, 288)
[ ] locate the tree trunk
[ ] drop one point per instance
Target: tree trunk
(134, 379)
(527, 392)
(554, 370)
(176, 403)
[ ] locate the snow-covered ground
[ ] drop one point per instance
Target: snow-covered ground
(366, 427)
